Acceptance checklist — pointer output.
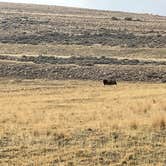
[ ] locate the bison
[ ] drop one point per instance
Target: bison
(109, 82)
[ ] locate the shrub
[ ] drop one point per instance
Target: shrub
(128, 19)
(159, 122)
(134, 125)
(115, 18)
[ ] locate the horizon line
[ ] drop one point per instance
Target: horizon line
(123, 11)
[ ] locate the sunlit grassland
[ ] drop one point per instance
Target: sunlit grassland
(82, 122)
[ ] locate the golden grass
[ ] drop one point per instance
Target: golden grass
(81, 123)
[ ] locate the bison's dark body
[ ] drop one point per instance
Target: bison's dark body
(109, 82)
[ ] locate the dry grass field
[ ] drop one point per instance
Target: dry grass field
(81, 123)
(54, 121)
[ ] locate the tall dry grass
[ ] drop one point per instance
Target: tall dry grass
(36, 115)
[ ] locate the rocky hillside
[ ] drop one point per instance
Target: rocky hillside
(82, 68)
(41, 24)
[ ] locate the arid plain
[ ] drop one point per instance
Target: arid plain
(82, 123)
(54, 109)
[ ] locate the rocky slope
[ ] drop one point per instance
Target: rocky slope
(36, 24)
(80, 68)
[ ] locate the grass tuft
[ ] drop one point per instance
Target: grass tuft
(159, 122)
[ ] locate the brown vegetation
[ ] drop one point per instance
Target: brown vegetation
(81, 123)
(50, 122)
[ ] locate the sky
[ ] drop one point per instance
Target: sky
(140, 6)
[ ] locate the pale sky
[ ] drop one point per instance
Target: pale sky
(141, 6)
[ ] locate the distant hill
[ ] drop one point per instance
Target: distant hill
(40, 24)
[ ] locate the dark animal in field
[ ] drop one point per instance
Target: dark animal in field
(109, 82)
